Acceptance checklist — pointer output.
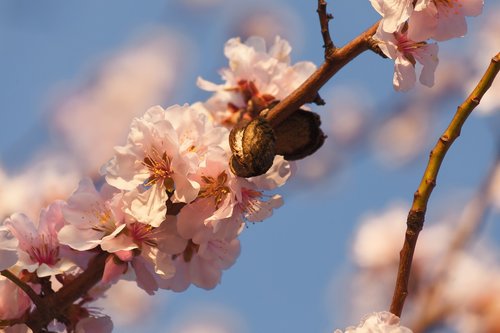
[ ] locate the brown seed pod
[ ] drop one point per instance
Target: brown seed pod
(299, 135)
(253, 147)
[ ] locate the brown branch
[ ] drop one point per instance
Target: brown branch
(54, 305)
(416, 216)
(307, 91)
(35, 298)
(324, 18)
(431, 308)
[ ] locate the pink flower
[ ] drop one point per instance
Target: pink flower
(8, 247)
(14, 302)
(92, 217)
(149, 251)
(39, 248)
(394, 13)
(255, 77)
(378, 322)
(164, 151)
(406, 54)
(211, 248)
(441, 19)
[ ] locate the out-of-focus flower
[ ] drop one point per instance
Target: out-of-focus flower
(267, 20)
(402, 136)
(441, 20)
(14, 302)
(379, 236)
(378, 322)
(255, 78)
(495, 189)
(406, 54)
(95, 117)
(101, 324)
(50, 178)
(38, 246)
(117, 300)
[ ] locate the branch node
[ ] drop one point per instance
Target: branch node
(373, 46)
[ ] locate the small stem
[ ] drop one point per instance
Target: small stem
(430, 307)
(308, 90)
(416, 216)
(25, 287)
(55, 305)
(324, 18)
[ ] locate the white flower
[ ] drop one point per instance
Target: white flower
(255, 77)
(164, 151)
(38, 245)
(378, 322)
(92, 218)
(406, 54)
(394, 13)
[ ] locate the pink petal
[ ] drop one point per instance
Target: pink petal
(422, 24)
(451, 24)
(404, 74)
(113, 269)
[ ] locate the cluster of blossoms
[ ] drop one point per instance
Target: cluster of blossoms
(407, 26)
(170, 210)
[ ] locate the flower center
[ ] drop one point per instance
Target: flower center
(45, 252)
(142, 233)
(215, 188)
(254, 101)
(105, 219)
(159, 166)
(408, 47)
(250, 202)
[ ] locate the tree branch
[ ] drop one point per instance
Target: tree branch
(324, 18)
(416, 216)
(35, 298)
(307, 91)
(55, 305)
(431, 308)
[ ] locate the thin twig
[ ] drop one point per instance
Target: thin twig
(431, 307)
(24, 287)
(307, 91)
(416, 216)
(324, 18)
(55, 305)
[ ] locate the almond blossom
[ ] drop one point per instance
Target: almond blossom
(14, 302)
(441, 19)
(394, 13)
(255, 78)
(378, 322)
(164, 150)
(406, 54)
(207, 254)
(148, 251)
(92, 217)
(38, 245)
(436, 19)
